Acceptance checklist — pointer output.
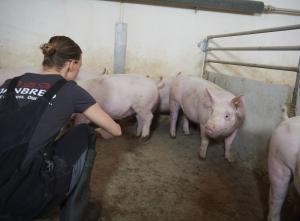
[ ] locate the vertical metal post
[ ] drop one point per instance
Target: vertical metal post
(296, 94)
(203, 45)
(120, 47)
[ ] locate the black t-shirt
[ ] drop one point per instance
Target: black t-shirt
(70, 99)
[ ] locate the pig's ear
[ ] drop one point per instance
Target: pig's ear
(209, 95)
(208, 99)
(239, 105)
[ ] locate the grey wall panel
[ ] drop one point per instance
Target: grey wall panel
(120, 48)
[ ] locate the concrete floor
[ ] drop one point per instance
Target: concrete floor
(164, 180)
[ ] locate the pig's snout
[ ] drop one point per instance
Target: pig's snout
(210, 129)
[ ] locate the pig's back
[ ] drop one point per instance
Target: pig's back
(132, 92)
(191, 85)
(132, 84)
(124, 86)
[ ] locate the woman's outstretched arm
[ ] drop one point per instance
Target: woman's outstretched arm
(98, 116)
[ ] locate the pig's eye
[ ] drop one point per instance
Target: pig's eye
(227, 116)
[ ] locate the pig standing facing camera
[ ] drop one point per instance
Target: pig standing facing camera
(218, 112)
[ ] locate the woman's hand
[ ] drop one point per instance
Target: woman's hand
(103, 133)
(95, 114)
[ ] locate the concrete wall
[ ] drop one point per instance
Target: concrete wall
(263, 101)
(160, 40)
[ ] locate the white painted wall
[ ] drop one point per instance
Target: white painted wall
(160, 41)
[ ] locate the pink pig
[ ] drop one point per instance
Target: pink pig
(283, 162)
(218, 112)
(122, 95)
(164, 93)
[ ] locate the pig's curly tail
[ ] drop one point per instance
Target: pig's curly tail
(284, 115)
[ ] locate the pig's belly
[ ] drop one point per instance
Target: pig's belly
(164, 107)
(191, 114)
(119, 112)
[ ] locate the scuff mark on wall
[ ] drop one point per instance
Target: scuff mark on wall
(98, 59)
(156, 64)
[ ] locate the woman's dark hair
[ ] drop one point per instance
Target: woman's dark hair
(59, 50)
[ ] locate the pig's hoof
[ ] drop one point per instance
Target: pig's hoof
(172, 136)
(145, 139)
(187, 134)
(201, 157)
(230, 159)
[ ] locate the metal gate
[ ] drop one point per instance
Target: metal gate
(263, 100)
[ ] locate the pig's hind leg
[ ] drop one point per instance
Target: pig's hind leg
(139, 125)
(280, 176)
(174, 111)
(297, 175)
(145, 117)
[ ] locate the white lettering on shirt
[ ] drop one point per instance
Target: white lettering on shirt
(19, 97)
(3, 90)
(23, 91)
(18, 90)
(33, 91)
(41, 92)
(31, 98)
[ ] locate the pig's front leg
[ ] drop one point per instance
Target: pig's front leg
(228, 149)
(174, 110)
(280, 176)
(186, 126)
(204, 143)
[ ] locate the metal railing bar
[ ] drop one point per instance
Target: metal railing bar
(259, 48)
(295, 100)
(258, 31)
(282, 68)
(271, 9)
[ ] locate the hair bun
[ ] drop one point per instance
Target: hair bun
(48, 49)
